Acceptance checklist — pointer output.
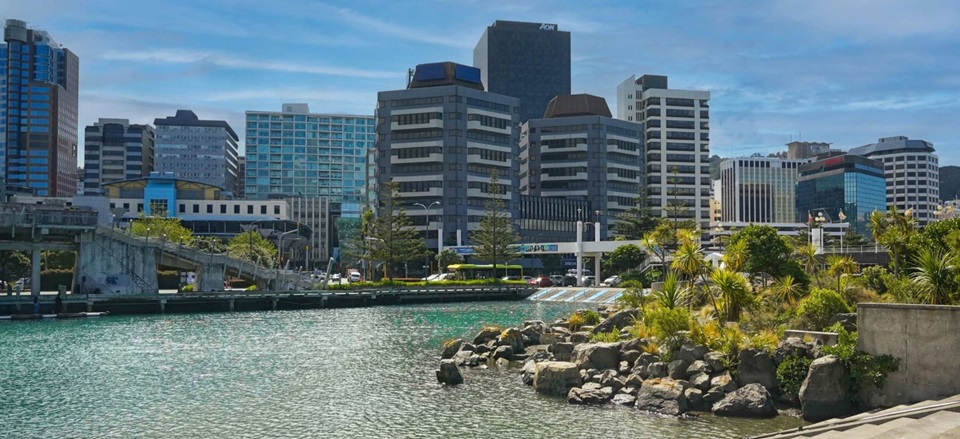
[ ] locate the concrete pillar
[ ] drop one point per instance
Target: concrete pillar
(211, 277)
(273, 303)
(163, 306)
(579, 253)
(596, 269)
(231, 304)
(89, 305)
(35, 272)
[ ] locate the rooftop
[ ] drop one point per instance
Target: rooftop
(577, 105)
(887, 144)
(189, 119)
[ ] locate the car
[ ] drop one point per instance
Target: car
(23, 284)
(335, 277)
(353, 277)
(510, 278)
(611, 281)
(589, 281)
(557, 279)
(542, 282)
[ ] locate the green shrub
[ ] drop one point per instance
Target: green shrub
(590, 318)
(576, 321)
(816, 309)
(168, 279)
(791, 372)
(187, 288)
(862, 368)
(250, 288)
(606, 337)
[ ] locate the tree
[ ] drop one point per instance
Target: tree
(58, 260)
(853, 239)
(210, 244)
(624, 258)
(160, 227)
(494, 241)
(447, 258)
(659, 241)
(787, 290)
(838, 265)
(253, 247)
(13, 264)
(935, 275)
(894, 231)
(688, 260)
(735, 256)
(730, 294)
(767, 251)
(354, 248)
(392, 236)
(672, 294)
(636, 221)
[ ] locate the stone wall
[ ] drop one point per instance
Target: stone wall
(926, 339)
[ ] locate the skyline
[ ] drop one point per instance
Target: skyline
(838, 73)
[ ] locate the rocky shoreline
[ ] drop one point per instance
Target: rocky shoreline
(637, 372)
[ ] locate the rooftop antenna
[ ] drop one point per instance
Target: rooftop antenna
(409, 77)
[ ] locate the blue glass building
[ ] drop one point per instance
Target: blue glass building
(852, 184)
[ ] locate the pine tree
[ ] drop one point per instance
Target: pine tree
(495, 241)
(392, 236)
(638, 220)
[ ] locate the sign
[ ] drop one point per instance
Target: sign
(536, 248)
(833, 161)
(462, 251)
(568, 263)
(547, 26)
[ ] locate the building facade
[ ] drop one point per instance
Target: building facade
(758, 190)
(528, 61)
(203, 151)
(440, 140)
(912, 171)
(806, 150)
(39, 80)
(114, 149)
(677, 148)
(241, 171)
(850, 184)
(579, 151)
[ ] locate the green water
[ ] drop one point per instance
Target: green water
(344, 373)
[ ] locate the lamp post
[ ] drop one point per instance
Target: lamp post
(426, 235)
(280, 247)
(718, 231)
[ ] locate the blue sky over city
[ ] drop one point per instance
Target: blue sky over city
(845, 72)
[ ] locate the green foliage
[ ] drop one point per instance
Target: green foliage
(638, 220)
(633, 296)
(187, 288)
(767, 252)
(935, 276)
(53, 259)
(494, 237)
(673, 294)
(446, 258)
(787, 290)
(606, 337)
(590, 317)
(840, 265)
(894, 230)
(862, 368)
(665, 323)
(157, 227)
(873, 278)
(817, 308)
(13, 265)
(643, 278)
(210, 244)
(393, 238)
(791, 372)
(355, 241)
(729, 294)
(576, 321)
(250, 288)
(253, 247)
(50, 280)
(765, 340)
(725, 338)
(624, 258)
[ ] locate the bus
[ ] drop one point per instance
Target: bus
(474, 271)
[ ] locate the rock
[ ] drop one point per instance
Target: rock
(503, 362)
(630, 390)
(591, 386)
(450, 348)
(823, 393)
(468, 347)
(698, 366)
(579, 337)
(715, 361)
(610, 379)
(691, 353)
(664, 396)
(629, 356)
(624, 399)
(677, 369)
(724, 382)
(700, 381)
(537, 325)
(714, 395)
(561, 351)
(511, 337)
(790, 347)
(644, 360)
(482, 349)
(486, 334)
(657, 370)
(532, 333)
(473, 360)
(538, 352)
(750, 401)
(596, 355)
(528, 371)
(503, 352)
(620, 319)
(556, 378)
(449, 373)
(551, 338)
(623, 368)
(634, 344)
(583, 396)
(757, 367)
(519, 357)
(633, 380)
(847, 320)
(586, 328)
(694, 398)
(562, 331)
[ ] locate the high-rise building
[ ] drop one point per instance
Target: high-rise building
(115, 149)
(803, 150)
(529, 61)
(241, 171)
(758, 190)
(294, 152)
(441, 139)
(850, 184)
(579, 151)
(677, 150)
(198, 150)
(38, 111)
(912, 171)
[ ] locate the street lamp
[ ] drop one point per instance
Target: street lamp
(718, 231)
(280, 247)
(426, 235)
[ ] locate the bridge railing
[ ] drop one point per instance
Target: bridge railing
(854, 249)
(26, 215)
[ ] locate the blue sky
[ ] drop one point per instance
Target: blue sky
(845, 72)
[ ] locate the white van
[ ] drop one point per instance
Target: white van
(353, 277)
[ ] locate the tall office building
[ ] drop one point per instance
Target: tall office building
(198, 150)
(441, 139)
(758, 190)
(529, 61)
(579, 151)
(39, 82)
(677, 161)
(912, 171)
(294, 152)
(241, 172)
(848, 183)
(803, 150)
(114, 149)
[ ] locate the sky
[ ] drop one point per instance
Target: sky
(841, 71)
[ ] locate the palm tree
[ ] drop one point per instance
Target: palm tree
(731, 294)
(688, 260)
(935, 275)
(840, 265)
(673, 293)
(893, 230)
(736, 256)
(807, 255)
(787, 290)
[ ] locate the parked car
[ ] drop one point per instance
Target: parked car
(557, 279)
(23, 284)
(335, 277)
(611, 281)
(353, 277)
(589, 281)
(542, 282)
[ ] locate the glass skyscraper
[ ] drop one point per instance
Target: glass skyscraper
(294, 152)
(38, 111)
(852, 184)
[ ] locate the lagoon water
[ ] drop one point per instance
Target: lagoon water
(335, 373)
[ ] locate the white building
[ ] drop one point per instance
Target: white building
(677, 149)
(912, 172)
(759, 189)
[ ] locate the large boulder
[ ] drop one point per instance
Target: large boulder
(624, 399)
(556, 378)
(449, 373)
(596, 355)
(630, 357)
(561, 351)
(511, 337)
(698, 366)
(791, 347)
(505, 352)
(691, 353)
(588, 396)
(486, 334)
(724, 382)
(756, 366)
(657, 370)
(579, 337)
(450, 348)
(750, 401)
(823, 394)
(549, 338)
(620, 319)
(664, 396)
(677, 369)
(715, 361)
(700, 381)
(694, 398)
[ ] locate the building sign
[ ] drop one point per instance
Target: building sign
(536, 248)
(833, 161)
(462, 251)
(546, 26)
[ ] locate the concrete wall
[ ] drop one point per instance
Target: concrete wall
(116, 267)
(926, 339)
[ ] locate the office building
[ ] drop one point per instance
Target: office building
(912, 171)
(804, 150)
(579, 151)
(39, 80)
(115, 149)
(241, 172)
(677, 149)
(850, 184)
(440, 140)
(203, 151)
(528, 61)
(758, 190)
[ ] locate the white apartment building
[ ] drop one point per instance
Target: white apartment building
(759, 189)
(912, 172)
